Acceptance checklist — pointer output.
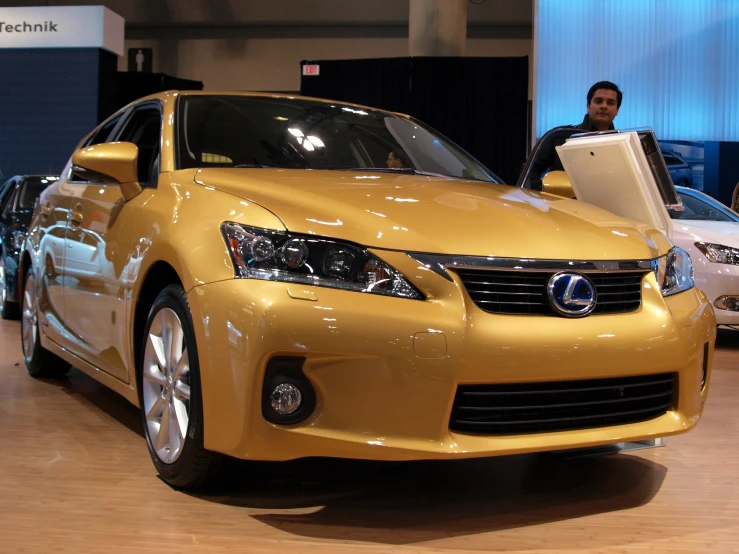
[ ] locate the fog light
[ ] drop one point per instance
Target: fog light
(730, 303)
(288, 396)
(285, 399)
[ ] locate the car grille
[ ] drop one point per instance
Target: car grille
(565, 405)
(513, 292)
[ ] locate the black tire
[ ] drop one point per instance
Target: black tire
(193, 466)
(8, 309)
(39, 361)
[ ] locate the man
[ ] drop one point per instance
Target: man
(394, 161)
(604, 100)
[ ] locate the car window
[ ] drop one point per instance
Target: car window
(223, 131)
(9, 201)
(699, 210)
(670, 160)
(144, 129)
(5, 191)
(89, 240)
(31, 189)
(104, 132)
(101, 135)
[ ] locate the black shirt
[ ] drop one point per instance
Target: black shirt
(547, 158)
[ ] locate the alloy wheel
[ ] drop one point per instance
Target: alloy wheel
(166, 386)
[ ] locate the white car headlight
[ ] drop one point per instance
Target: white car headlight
(718, 253)
(280, 256)
(674, 272)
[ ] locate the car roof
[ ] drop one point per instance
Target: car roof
(173, 93)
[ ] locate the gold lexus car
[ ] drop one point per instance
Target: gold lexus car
(273, 277)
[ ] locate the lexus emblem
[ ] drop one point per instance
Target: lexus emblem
(571, 294)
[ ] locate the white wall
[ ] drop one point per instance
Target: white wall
(266, 64)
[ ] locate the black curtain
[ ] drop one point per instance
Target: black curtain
(479, 103)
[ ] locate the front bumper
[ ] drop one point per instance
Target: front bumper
(385, 370)
(717, 280)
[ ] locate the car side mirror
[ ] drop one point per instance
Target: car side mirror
(113, 163)
(557, 183)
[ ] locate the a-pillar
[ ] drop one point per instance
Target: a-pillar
(437, 28)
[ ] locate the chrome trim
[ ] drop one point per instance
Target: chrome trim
(439, 263)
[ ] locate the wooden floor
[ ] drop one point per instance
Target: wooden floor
(75, 476)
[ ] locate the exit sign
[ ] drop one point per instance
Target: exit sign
(311, 69)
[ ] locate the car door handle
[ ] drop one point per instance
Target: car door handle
(75, 216)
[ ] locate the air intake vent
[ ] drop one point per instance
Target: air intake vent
(563, 405)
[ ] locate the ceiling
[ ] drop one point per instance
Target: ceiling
(485, 18)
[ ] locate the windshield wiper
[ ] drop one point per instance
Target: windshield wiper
(401, 170)
(380, 169)
(405, 170)
(412, 171)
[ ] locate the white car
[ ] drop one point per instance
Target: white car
(709, 231)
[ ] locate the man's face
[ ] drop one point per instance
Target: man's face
(393, 162)
(603, 108)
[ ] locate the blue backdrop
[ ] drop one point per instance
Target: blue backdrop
(675, 60)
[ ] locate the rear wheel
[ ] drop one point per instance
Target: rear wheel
(170, 394)
(39, 361)
(8, 309)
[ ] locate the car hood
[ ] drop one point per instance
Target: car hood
(437, 214)
(718, 232)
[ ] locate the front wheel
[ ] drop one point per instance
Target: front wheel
(39, 361)
(170, 394)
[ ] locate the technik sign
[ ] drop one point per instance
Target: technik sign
(26, 27)
(62, 27)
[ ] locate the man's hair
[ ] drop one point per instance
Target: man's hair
(400, 155)
(608, 85)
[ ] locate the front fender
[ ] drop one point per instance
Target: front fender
(195, 250)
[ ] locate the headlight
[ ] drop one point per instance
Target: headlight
(718, 253)
(674, 272)
(279, 256)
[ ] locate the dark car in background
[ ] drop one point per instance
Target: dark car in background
(680, 170)
(17, 199)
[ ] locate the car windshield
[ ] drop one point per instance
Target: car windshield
(31, 190)
(698, 209)
(246, 131)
